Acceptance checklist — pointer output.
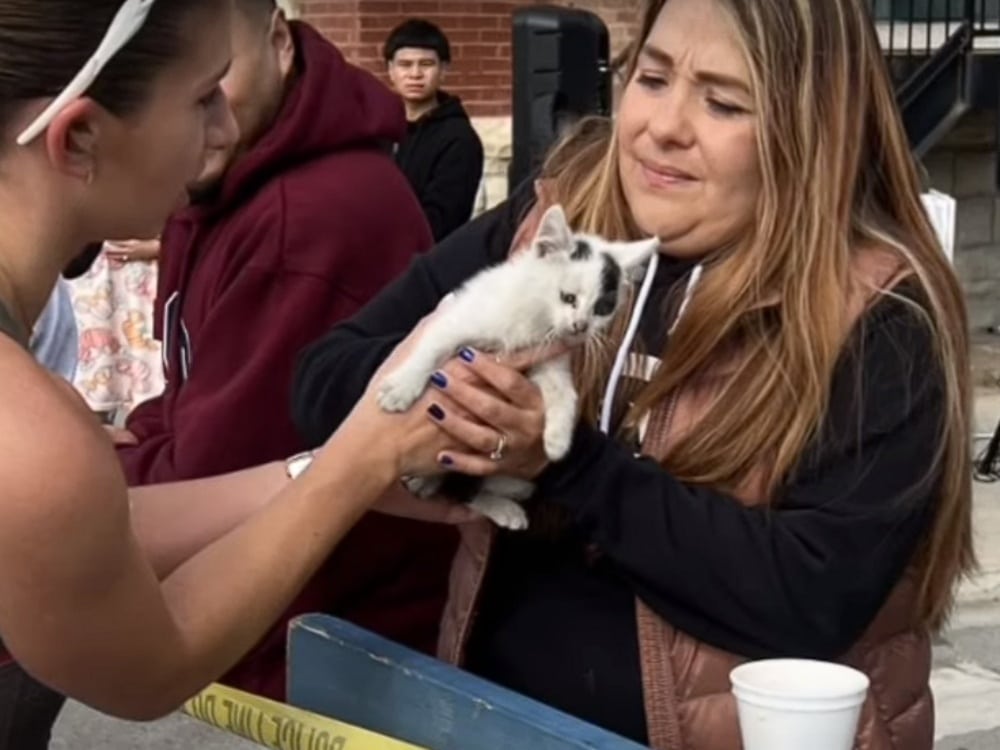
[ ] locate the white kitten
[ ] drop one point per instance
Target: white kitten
(566, 287)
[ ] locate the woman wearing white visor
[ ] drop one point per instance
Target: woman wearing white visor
(132, 601)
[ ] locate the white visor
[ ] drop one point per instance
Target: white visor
(127, 22)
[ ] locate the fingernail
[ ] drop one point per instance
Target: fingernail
(467, 354)
(446, 460)
(436, 412)
(439, 380)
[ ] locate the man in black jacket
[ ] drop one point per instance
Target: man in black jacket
(441, 156)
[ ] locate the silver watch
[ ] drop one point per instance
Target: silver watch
(298, 463)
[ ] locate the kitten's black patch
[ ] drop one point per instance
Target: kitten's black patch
(611, 276)
(460, 488)
(581, 251)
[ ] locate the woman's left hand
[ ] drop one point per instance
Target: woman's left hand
(502, 412)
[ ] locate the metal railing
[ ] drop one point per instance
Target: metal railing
(912, 31)
(986, 21)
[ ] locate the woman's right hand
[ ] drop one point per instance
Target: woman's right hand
(401, 444)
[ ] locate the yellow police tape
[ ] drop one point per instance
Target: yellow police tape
(282, 727)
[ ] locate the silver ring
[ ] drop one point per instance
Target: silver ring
(497, 454)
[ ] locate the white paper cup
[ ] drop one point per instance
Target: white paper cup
(798, 704)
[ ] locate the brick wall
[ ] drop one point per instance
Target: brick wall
(621, 17)
(479, 31)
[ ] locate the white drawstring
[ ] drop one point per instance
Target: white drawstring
(633, 326)
(623, 350)
(688, 293)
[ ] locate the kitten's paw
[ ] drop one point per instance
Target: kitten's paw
(557, 442)
(423, 487)
(397, 392)
(503, 512)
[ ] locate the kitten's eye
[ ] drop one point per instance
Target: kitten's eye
(569, 299)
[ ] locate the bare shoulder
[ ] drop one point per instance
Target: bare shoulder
(59, 471)
(69, 561)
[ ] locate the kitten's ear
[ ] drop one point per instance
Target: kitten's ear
(554, 234)
(632, 256)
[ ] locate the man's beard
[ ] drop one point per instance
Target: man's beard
(205, 190)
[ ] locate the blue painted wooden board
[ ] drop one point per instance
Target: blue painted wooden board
(339, 670)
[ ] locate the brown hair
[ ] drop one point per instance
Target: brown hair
(837, 175)
(43, 43)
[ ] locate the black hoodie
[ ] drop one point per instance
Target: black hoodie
(442, 157)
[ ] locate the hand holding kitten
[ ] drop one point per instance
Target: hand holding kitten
(494, 398)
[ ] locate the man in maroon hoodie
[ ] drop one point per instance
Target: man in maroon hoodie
(292, 231)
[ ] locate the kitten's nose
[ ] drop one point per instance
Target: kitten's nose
(579, 326)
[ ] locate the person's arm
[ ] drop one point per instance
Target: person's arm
(332, 373)
(174, 521)
(78, 597)
(450, 193)
(224, 415)
(806, 576)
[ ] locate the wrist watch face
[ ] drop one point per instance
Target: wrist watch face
(298, 464)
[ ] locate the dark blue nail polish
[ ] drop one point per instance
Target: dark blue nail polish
(439, 380)
(446, 461)
(467, 354)
(436, 412)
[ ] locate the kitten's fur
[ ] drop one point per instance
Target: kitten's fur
(566, 287)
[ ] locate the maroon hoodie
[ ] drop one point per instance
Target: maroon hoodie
(307, 226)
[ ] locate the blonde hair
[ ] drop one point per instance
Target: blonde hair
(837, 175)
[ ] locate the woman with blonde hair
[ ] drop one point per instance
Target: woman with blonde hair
(784, 469)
